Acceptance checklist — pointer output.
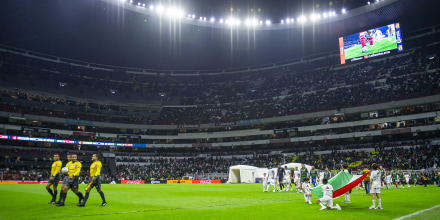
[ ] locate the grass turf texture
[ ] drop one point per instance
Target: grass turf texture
(217, 201)
(380, 46)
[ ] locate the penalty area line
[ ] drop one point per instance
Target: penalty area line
(416, 213)
(170, 209)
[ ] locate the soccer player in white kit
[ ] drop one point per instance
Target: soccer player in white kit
(388, 181)
(347, 195)
(307, 189)
(297, 180)
(272, 175)
(375, 187)
(406, 176)
(287, 179)
(265, 182)
(326, 201)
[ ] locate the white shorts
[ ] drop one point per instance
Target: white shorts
(272, 181)
(287, 181)
(264, 183)
(375, 190)
(326, 200)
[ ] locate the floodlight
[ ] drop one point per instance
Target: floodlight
(282, 21)
(268, 22)
(288, 20)
(204, 18)
(325, 14)
(151, 7)
(237, 22)
(159, 9)
(343, 10)
(143, 5)
(221, 20)
(139, 4)
(131, 1)
(261, 22)
(368, 2)
(212, 19)
(193, 16)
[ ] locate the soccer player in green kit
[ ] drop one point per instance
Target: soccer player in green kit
(414, 177)
(327, 174)
(394, 177)
(400, 173)
(304, 173)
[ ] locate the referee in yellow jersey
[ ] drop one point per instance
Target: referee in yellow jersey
(95, 174)
(54, 178)
(72, 182)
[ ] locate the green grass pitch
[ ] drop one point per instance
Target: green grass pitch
(383, 45)
(216, 201)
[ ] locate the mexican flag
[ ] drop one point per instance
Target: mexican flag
(342, 183)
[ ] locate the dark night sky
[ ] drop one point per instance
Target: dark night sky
(94, 31)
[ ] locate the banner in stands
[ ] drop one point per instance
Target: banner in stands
(396, 131)
(188, 126)
(172, 181)
(206, 181)
(225, 124)
(185, 181)
(133, 181)
(247, 122)
(90, 134)
(156, 182)
(74, 121)
(41, 130)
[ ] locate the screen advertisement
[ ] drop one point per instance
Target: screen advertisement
(370, 43)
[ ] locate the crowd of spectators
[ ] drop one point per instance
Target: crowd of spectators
(390, 156)
(278, 91)
(34, 163)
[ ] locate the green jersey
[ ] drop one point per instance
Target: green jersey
(382, 173)
(303, 172)
(413, 175)
(400, 175)
(327, 175)
(314, 173)
(394, 175)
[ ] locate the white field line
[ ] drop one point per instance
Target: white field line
(416, 213)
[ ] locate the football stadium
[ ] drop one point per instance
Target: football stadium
(238, 109)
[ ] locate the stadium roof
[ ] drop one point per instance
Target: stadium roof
(105, 32)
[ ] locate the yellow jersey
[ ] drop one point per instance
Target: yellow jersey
(74, 168)
(56, 168)
(95, 168)
(367, 178)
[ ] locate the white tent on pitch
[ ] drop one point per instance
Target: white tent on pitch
(242, 174)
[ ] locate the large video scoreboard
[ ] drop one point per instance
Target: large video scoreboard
(370, 43)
